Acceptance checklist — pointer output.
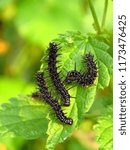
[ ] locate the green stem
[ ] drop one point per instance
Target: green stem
(94, 16)
(104, 14)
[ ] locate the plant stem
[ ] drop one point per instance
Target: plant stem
(104, 14)
(94, 16)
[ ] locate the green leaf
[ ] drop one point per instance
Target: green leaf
(74, 46)
(23, 117)
(104, 130)
(104, 61)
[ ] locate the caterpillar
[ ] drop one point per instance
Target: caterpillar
(54, 75)
(86, 78)
(45, 95)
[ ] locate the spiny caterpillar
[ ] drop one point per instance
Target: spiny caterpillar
(88, 77)
(54, 75)
(45, 95)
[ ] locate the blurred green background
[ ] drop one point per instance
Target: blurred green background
(26, 28)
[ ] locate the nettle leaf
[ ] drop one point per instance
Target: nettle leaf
(104, 61)
(28, 118)
(73, 47)
(104, 130)
(23, 117)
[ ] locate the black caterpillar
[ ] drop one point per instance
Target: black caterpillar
(45, 95)
(54, 75)
(88, 77)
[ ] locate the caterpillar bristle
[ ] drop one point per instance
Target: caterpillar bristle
(54, 75)
(45, 95)
(86, 78)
